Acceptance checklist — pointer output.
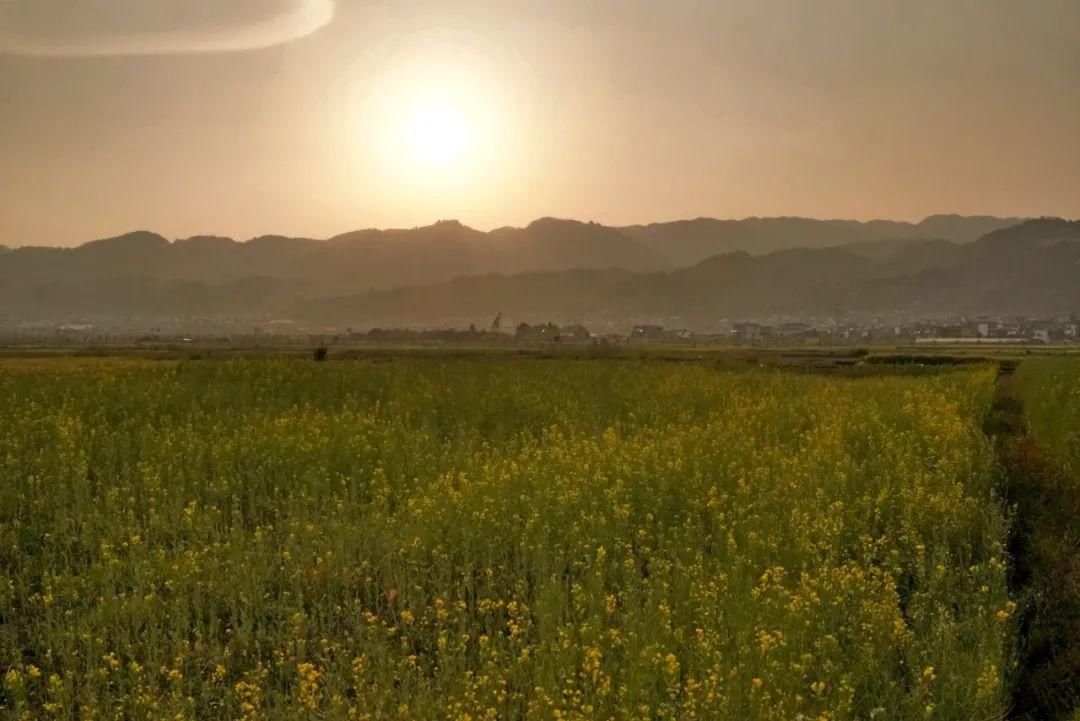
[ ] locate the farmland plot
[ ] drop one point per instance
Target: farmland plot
(498, 539)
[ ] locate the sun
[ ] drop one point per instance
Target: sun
(437, 137)
(433, 130)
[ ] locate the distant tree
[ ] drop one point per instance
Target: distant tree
(320, 353)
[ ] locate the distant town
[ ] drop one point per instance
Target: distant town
(959, 330)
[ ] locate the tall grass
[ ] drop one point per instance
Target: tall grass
(1046, 482)
(497, 539)
(1050, 388)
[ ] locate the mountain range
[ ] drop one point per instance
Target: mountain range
(698, 271)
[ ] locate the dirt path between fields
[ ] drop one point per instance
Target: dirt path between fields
(1044, 569)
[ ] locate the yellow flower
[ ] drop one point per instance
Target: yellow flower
(989, 680)
(12, 679)
(671, 661)
(310, 693)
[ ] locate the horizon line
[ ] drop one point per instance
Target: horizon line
(387, 229)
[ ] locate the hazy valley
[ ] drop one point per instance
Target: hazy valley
(447, 274)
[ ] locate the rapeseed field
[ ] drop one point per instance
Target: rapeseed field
(498, 539)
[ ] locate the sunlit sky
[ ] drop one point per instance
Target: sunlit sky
(310, 118)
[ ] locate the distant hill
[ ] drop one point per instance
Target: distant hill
(134, 273)
(550, 243)
(962, 228)
(561, 296)
(689, 241)
(564, 270)
(738, 284)
(1032, 269)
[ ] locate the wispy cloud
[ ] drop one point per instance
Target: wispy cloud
(155, 27)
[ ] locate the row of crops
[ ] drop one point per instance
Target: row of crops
(500, 539)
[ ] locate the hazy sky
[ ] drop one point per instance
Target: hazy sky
(310, 117)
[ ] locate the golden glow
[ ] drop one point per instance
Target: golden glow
(439, 126)
(437, 136)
